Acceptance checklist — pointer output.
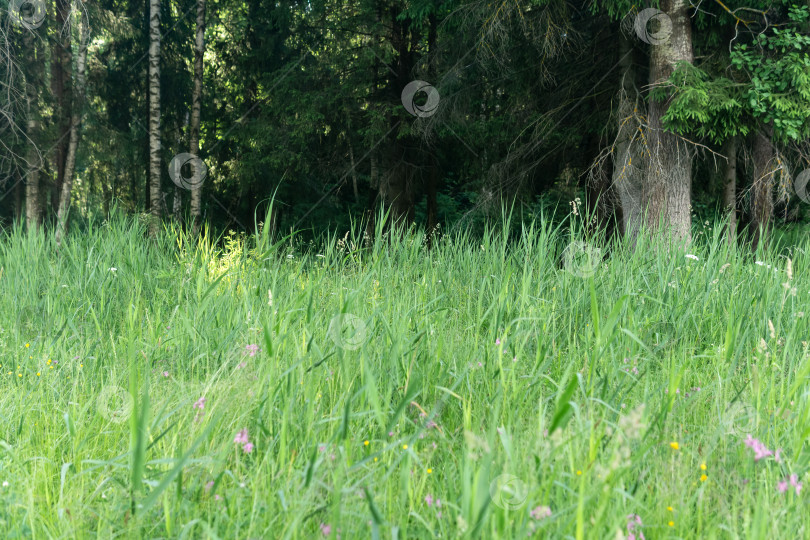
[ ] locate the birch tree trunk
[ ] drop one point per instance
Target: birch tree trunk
(668, 186)
(154, 117)
(73, 143)
(194, 142)
(33, 208)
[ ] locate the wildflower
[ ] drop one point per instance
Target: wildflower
(241, 437)
(430, 471)
(541, 512)
(365, 443)
(670, 509)
(247, 448)
(690, 256)
(777, 457)
(404, 446)
(794, 481)
(165, 373)
(5, 483)
(326, 529)
(113, 269)
(782, 486)
(703, 477)
(634, 522)
(702, 466)
(671, 523)
(428, 499)
(674, 445)
(251, 349)
(579, 473)
(209, 485)
(199, 404)
(760, 450)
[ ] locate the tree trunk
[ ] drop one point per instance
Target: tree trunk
(33, 208)
(762, 188)
(730, 188)
(354, 172)
(373, 195)
(61, 84)
(668, 187)
(194, 143)
(18, 215)
(73, 143)
(628, 152)
(154, 117)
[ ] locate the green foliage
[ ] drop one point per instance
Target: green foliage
(778, 66)
(703, 105)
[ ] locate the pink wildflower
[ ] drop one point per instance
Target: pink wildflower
(251, 349)
(241, 437)
(760, 450)
(428, 499)
(541, 512)
(326, 529)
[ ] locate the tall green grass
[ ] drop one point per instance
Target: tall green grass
(375, 382)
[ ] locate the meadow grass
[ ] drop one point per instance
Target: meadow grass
(480, 389)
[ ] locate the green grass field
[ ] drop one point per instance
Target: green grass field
(482, 389)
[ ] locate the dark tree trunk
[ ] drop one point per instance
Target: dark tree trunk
(730, 187)
(629, 159)
(762, 188)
